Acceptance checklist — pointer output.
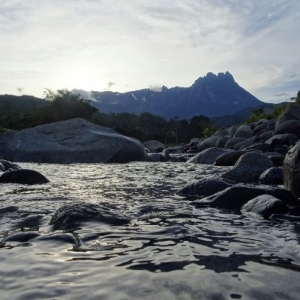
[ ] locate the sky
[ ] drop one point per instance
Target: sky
(125, 45)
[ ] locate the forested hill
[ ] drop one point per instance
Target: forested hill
(211, 95)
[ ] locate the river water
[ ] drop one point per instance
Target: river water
(169, 250)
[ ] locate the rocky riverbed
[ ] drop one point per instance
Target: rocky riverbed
(140, 239)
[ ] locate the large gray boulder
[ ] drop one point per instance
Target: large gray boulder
(247, 143)
(272, 176)
(291, 170)
(208, 156)
(249, 167)
(71, 141)
(232, 142)
(229, 158)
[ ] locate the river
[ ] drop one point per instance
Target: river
(169, 250)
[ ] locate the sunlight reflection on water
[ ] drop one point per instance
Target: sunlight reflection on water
(170, 250)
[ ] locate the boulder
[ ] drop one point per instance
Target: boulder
(69, 215)
(291, 113)
(243, 131)
(71, 141)
(221, 142)
(232, 131)
(272, 176)
(23, 176)
(204, 187)
(231, 142)
(291, 170)
(208, 156)
(290, 126)
(266, 135)
(236, 196)
(249, 167)
(208, 143)
(7, 165)
(280, 139)
(229, 158)
(244, 144)
(263, 147)
(154, 145)
(276, 157)
(265, 205)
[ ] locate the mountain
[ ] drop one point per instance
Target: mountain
(211, 95)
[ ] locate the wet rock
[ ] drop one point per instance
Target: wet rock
(272, 176)
(23, 176)
(21, 237)
(8, 209)
(31, 222)
(229, 158)
(204, 187)
(61, 238)
(208, 156)
(291, 170)
(70, 141)
(68, 216)
(8, 166)
(265, 205)
(249, 167)
(236, 196)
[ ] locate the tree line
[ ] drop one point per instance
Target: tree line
(64, 105)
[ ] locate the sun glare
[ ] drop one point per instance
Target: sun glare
(84, 83)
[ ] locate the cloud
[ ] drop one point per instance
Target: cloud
(134, 43)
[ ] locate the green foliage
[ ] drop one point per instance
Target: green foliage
(209, 131)
(256, 115)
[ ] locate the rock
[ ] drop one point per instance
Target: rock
(245, 144)
(265, 205)
(280, 139)
(259, 147)
(156, 157)
(208, 143)
(204, 187)
(71, 141)
(290, 126)
(208, 156)
(231, 142)
(221, 142)
(69, 215)
(236, 196)
(232, 131)
(276, 157)
(21, 237)
(272, 176)
(243, 131)
(229, 158)
(194, 142)
(266, 135)
(249, 167)
(291, 170)
(291, 113)
(23, 176)
(8, 165)
(154, 145)
(2, 168)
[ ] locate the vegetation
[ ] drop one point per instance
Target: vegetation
(64, 104)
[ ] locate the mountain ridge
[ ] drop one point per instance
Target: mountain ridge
(211, 95)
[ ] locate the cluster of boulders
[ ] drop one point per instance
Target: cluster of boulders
(263, 155)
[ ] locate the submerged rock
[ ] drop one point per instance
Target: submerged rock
(71, 141)
(69, 215)
(23, 176)
(204, 187)
(238, 195)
